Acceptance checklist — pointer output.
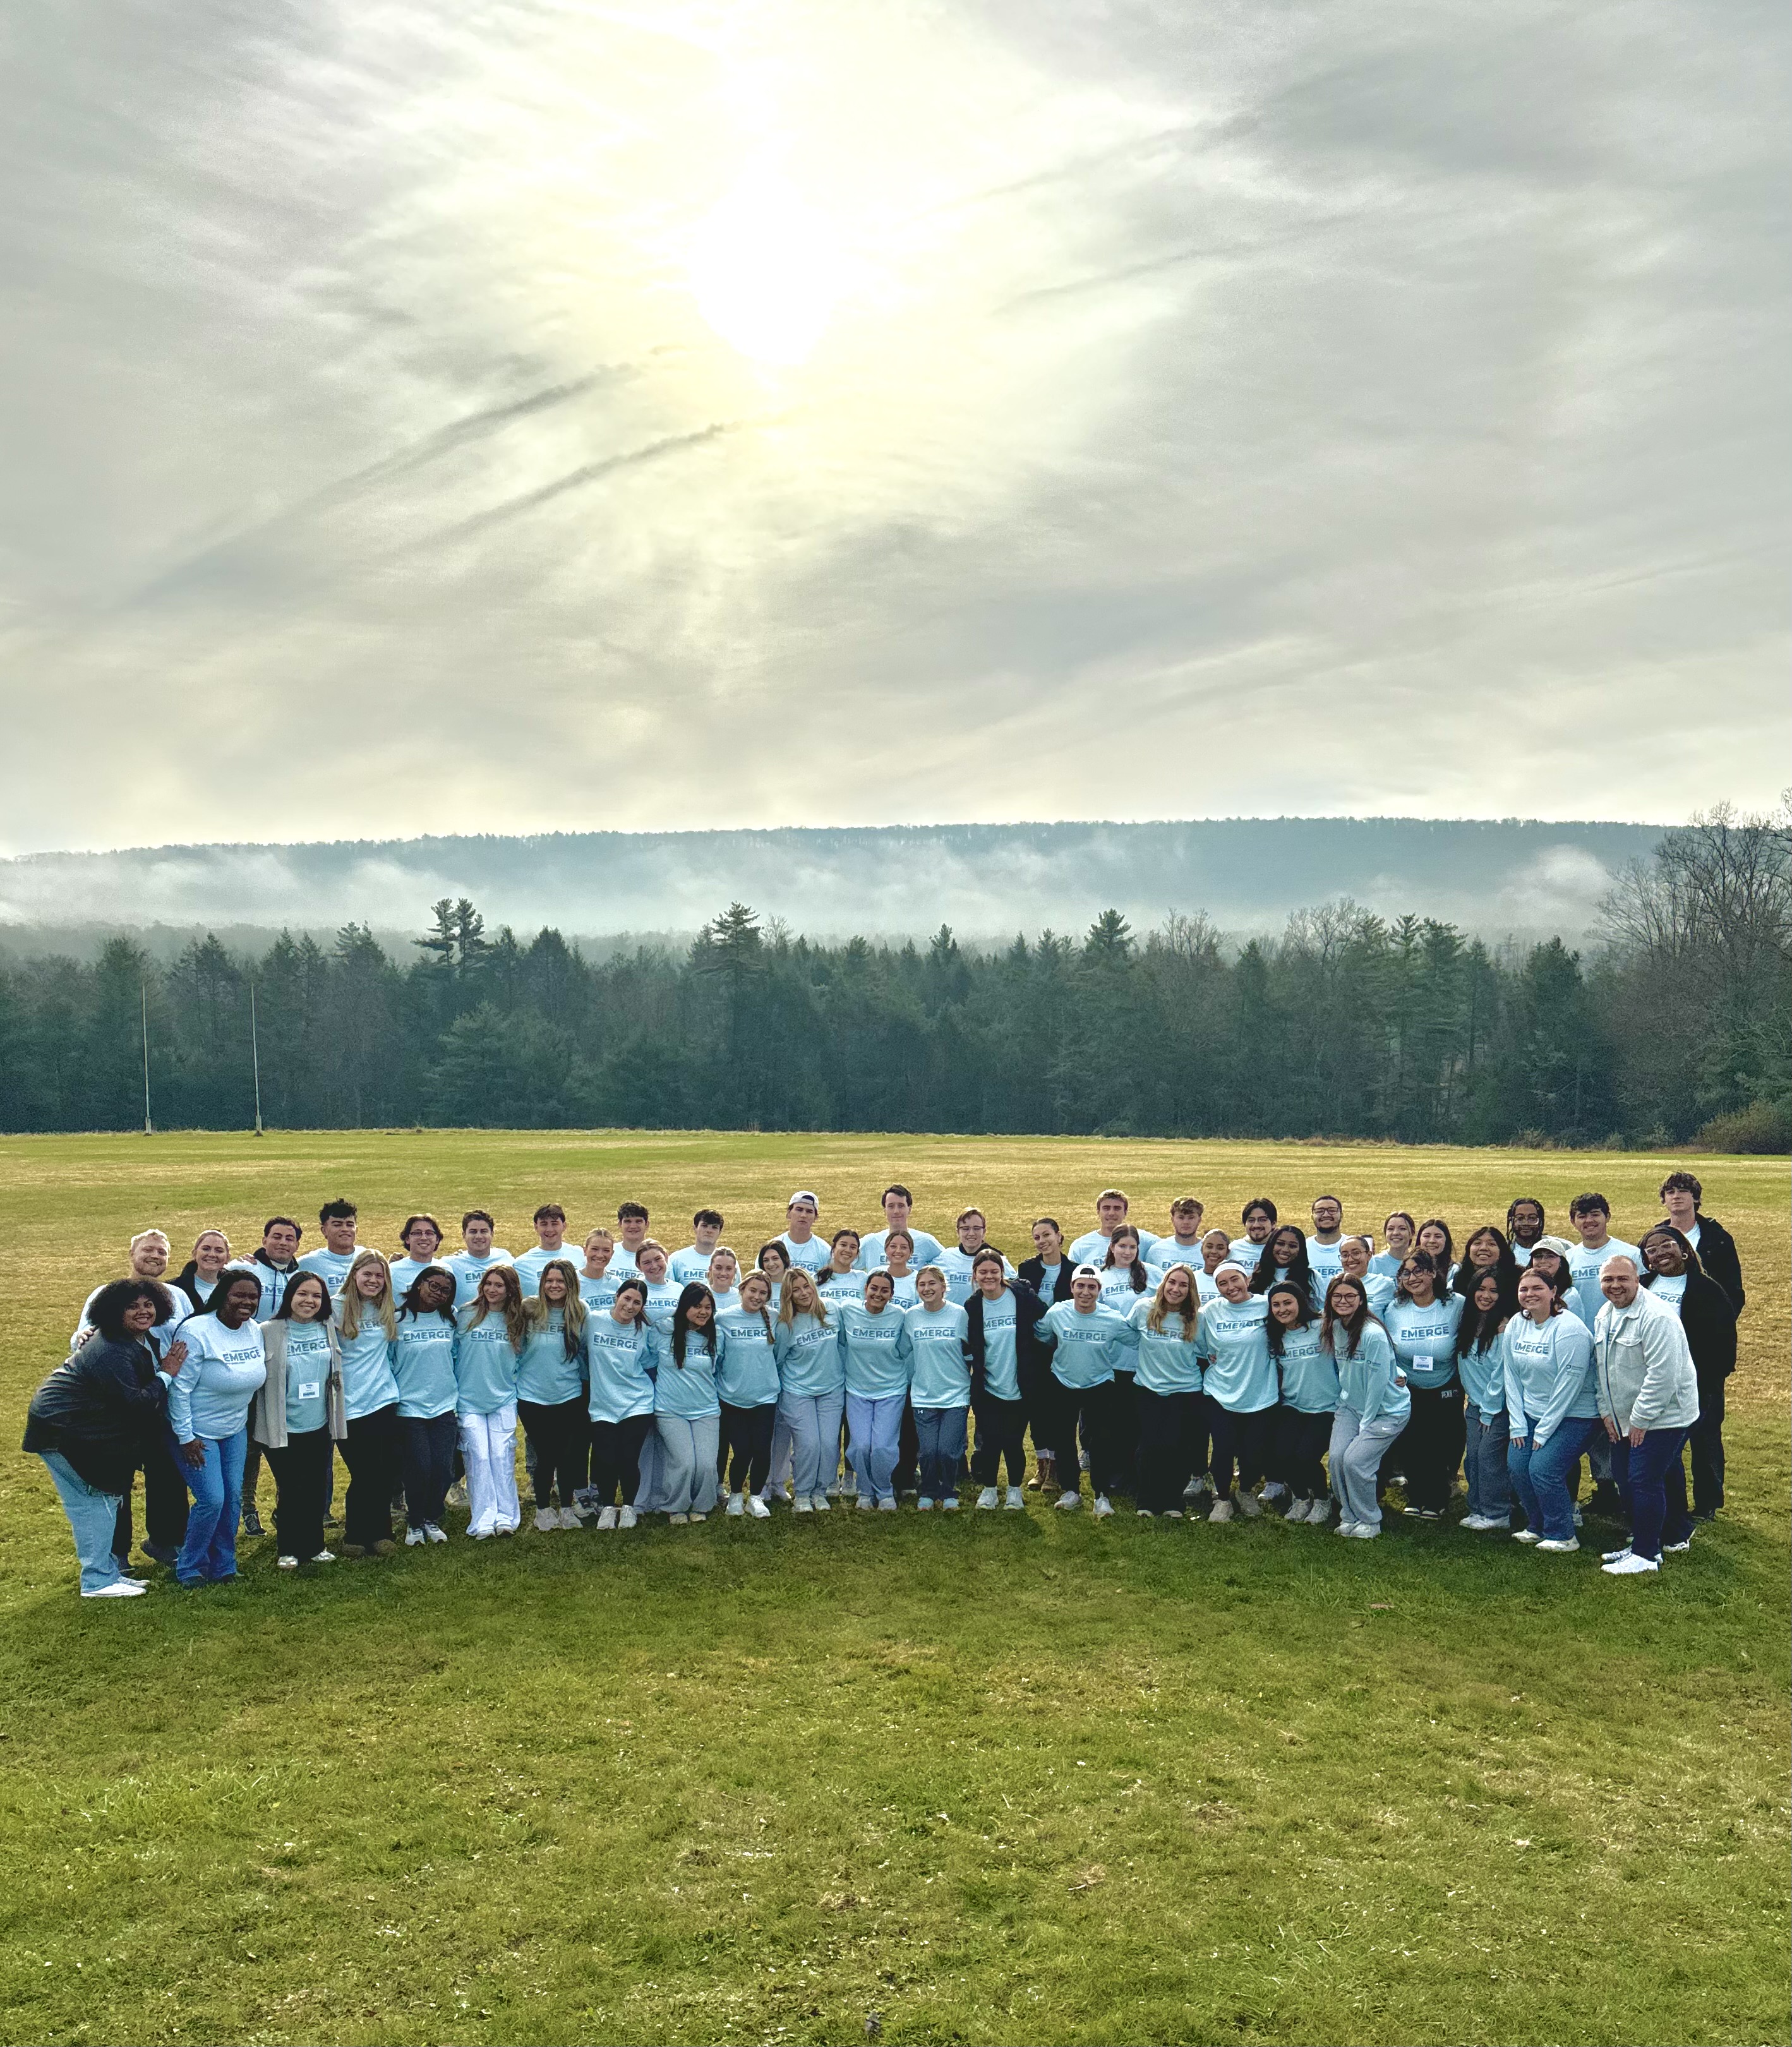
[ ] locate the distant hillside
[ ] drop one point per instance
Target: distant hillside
(986, 881)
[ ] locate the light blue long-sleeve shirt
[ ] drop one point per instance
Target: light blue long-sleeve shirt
(689, 1391)
(545, 1375)
(1425, 1338)
(1119, 1293)
(835, 1287)
(621, 1359)
(530, 1264)
(598, 1291)
(405, 1272)
(1240, 1373)
(1483, 1373)
(368, 1381)
(956, 1265)
(484, 1364)
(938, 1373)
(1086, 1349)
(1092, 1248)
(331, 1266)
(927, 1248)
(1583, 1266)
(1001, 1375)
(809, 1363)
(423, 1366)
(1549, 1376)
(748, 1375)
(1308, 1372)
(1368, 1381)
(1243, 1253)
(874, 1350)
(469, 1271)
(1169, 1358)
(1166, 1251)
(209, 1399)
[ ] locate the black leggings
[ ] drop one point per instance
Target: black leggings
(301, 1470)
(1301, 1443)
(1001, 1433)
(1093, 1407)
(371, 1453)
(616, 1449)
(1172, 1441)
(1430, 1447)
(165, 1503)
(746, 1456)
(1248, 1438)
(561, 1438)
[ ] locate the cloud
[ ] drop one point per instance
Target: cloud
(1267, 412)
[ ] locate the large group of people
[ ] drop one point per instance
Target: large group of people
(1296, 1368)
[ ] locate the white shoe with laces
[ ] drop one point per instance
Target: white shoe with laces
(291, 1563)
(1526, 1535)
(625, 1517)
(119, 1588)
(1615, 1556)
(757, 1508)
(1016, 1502)
(1249, 1505)
(887, 1505)
(414, 1539)
(433, 1531)
(867, 1504)
(676, 1520)
(324, 1556)
(1345, 1528)
(1360, 1531)
(1630, 1565)
(1104, 1506)
(1069, 1502)
(1560, 1549)
(805, 1507)
(987, 1496)
(736, 1507)
(818, 1501)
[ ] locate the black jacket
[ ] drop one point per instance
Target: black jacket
(1032, 1271)
(1710, 1324)
(99, 1409)
(1717, 1254)
(1030, 1355)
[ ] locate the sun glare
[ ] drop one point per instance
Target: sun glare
(767, 272)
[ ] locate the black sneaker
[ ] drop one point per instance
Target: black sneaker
(252, 1522)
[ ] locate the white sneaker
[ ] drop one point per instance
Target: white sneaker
(574, 1516)
(1361, 1532)
(867, 1504)
(290, 1563)
(1068, 1503)
(606, 1520)
(757, 1508)
(1273, 1491)
(1560, 1549)
(431, 1529)
(625, 1517)
(324, 1556)
(1104, 1506)
(1222, 1510)
(1676, 1549)
(923, 1505)
(1249, 1505)
(1172, 1514)
(676, 1520)
(1630, 1565)
(414, 1539)
(1144, 1514)
(736, 1507)
(1346, 1528)
(545, 1520)
(1298, 1509)
(1015, 1502)
(805, 1506)
(1319, 1514)
(1525, 1535)
(696, 1516)
(818, 1501)
(987, 1496)
(1615, 1556)
(119, 1588)
(950, 1503)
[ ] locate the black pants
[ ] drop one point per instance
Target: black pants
(616, 1458)
(561, 1438)
(1172, 1436)
(372, 1454)
(745, 1458)
(1125, 1426)
(1706, 1440)
(165, 1503)
(1430, 1445)
(252, 1477)
(1299, 1460)
(1001, 1433)
(426, 1447)
(302, 1492)
(1246, 1440)
(1092, 1409)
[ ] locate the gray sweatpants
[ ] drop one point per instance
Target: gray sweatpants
(1357, 1447)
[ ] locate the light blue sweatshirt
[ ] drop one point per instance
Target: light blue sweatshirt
(835, 1287)
(484, 1364)
(1092, 1248)
(223, 1370)
(812, 1255)
(1386, 1265)
(599, 1293)
(1085, 1349)
(874, 1350)
(1425, 1338)
(939, 1372)
(809, 1358)
(423, 1366)
(273, 1283)
(1241, 1375)
(748, 1375)
(469, 1271)
(369, 1383)
(1368, 1383)
(1243, 1253)
(1119, 1293)
(1166, 1251)
(927, 1248)
(1169, 1359)
(545, 1375)
(405, 1272)
(307, 1375)
(689, 1392)
(621, 1359)
(662, 1305)
(1325, 1261)
(331, 1266)
(528, 1267)
(687, 1266)
(1001, 1376)
(1309, 1374)
(1483, 1373)
(1549, 1376)
(956, 1265)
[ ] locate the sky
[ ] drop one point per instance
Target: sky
(522, 417)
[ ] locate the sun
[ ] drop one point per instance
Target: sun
(767, 272)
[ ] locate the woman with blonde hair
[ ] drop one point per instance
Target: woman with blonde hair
(1172, 1428)
(494, 1326)
(550, 1393)
(813, 1389)
(747, 1391)
(366, 1324)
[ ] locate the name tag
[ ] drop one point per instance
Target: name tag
(1425, 1362)
(310, 1388)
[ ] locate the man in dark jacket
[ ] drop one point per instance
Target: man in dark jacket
(1681, 1194)
(1710, 1321)
(1046, 1277)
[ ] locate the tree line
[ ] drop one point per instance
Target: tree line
(1348, 1025)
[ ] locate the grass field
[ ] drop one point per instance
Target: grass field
(997, 1779)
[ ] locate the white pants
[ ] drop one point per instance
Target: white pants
(488, 1443)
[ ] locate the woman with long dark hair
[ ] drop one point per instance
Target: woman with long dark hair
(1307, 1374)
(1421, 1319)
(550, 1394)
(1373, 1405)
(1285, 1259)
(423, 1365)
(298, 1417)
(1480, 1365)
(688, 1408)
(1488, 1251)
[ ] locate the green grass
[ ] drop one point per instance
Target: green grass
(996, 1779)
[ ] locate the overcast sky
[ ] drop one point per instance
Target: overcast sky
(527, 416)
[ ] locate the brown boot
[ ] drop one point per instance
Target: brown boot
(1045, 1473)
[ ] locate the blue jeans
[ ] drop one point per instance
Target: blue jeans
(1484, 1462)
(874, 1428)
(92, 1515)
(1652, 1482)
(813, 1421)
(210, 1550)
(1540, 1476)
(941, 1434)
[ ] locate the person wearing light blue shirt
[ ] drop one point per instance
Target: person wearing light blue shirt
(1307, 1374)
(471, 1265)
(1480, 1364)
(551, 1394)
(1111, 1207)
(208, 1401)
(955, 1265)
(1552, 1409)
(801, 1244)
(550, 1222)
(422, 1239)
(841, 1279)
(899, 1208)
(338, 1251)
(1422, 1319)
(693, 1262)
(1239, 1388)
(1259, 1220)
(1183, 1245)
(747, 1387)
(621, 1358)
(597, 1278)
(367, 1321)
(1087, 1342)
(874, 1359)
(938, 1387)
(813, 1391)
(493, 1327)
(1373, 1406)
(422, 1356)
(688, 1408)
(1356, 1262)
(1399, 1235)
(1172, 1426)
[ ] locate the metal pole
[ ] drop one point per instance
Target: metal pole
(255, 1055)
(149, 1127)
